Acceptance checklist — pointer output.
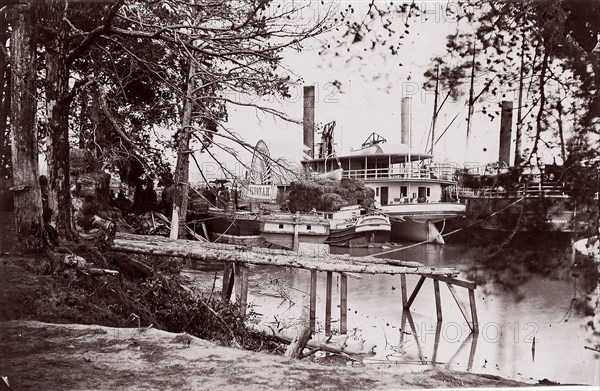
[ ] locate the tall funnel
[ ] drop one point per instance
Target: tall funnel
(505, 132)
(406, 122)
(309, 122)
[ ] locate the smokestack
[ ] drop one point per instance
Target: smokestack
(309, 122)
(505, 132)
(406, 122)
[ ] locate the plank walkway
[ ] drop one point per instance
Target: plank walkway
(237, 259)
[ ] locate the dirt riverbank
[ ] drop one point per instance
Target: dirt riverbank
(43, 356)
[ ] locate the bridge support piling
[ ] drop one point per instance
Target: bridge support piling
(438, 300)
(328, 304)
(403, 288)
(313, 300)
(228, 281)
(241, 288)
(343, 304)
(473, 311)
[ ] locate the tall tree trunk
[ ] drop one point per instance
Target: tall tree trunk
(182, 169)
(57, 106)
(5, 102)
(27, 195)
(4, 112)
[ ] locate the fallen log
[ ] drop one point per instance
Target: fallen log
(336, 345)
(221, 252)
(299, 343)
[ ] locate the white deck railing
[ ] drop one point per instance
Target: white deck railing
(443, 173)
(531, 189)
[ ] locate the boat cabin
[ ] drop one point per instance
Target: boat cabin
(403, 176)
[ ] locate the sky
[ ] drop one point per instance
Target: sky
(368, 100)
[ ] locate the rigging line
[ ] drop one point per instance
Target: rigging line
(224, 232)
(447, 127)
(205, 180)
(451, 232)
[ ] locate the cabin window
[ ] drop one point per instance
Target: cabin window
(404, 191)
(280, 226)
(376, 192)
(308, 227)
(429, 192)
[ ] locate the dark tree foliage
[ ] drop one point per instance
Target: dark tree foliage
(543, 50)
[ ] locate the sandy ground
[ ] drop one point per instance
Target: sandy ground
(44, 356)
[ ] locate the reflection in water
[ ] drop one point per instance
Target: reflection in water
(509, 321)
(470, 339)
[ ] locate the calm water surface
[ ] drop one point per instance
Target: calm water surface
(510, 320)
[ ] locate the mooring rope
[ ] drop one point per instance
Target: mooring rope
(451, 232)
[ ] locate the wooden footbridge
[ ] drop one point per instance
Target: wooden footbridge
(237, 258)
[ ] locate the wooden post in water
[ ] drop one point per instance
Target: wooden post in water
(328, 304)
(403, 288)
(414, 293)
(241, 288)
(473, 310)
(313, 300)
(438, 300)
(436, 342)
(461, 306)
(343, 304)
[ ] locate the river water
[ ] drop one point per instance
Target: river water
(510, 319)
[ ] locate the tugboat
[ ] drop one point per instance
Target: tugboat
(351, 229)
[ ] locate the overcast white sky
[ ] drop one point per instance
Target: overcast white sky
(369, 100)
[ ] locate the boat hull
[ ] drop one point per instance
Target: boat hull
(349, 237)
(416, 222)
(433, 212)
(279, 231)
(531, 221)
(407, 229)
(364, 230)
(290, 230)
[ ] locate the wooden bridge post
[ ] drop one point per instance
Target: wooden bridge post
(241, 289)
(228, 281)
(438, 300)
(313, 300)
(473, 310)
(343, 303)
(414, 292)
(403, 288)
(436, 342)
(474, 336)
(461, 306)
(328, 304)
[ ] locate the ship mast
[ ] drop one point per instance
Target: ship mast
(471, 103)
(435, 109)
